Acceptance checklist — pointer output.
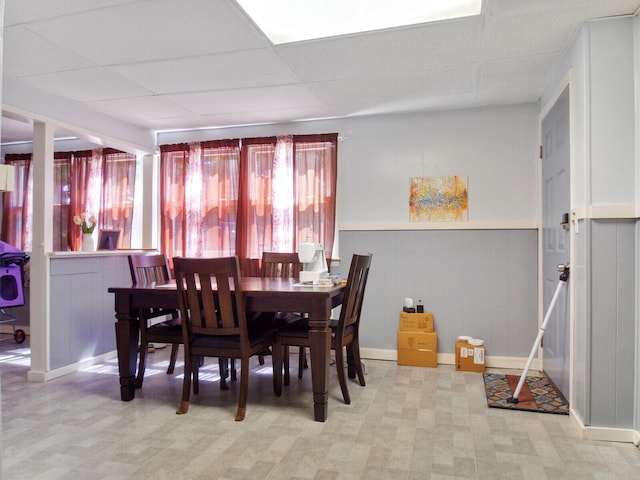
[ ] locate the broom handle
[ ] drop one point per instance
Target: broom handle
(561, 284)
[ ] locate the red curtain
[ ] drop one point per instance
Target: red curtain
(199, 198)
(255, 206)
(85, 179)
(118, 193)
(220, 199)
(174, 161)
(17, 207)
(316, 164)
(61, 198)
(99, 182)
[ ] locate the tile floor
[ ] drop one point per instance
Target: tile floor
(408, 423)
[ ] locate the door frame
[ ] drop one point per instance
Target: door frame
(544, 111)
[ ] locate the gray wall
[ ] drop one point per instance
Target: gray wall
(613, 331)
(81, 310)
(482, 283)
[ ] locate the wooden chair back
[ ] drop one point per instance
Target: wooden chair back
(146, 269)
(210, 296)
(354, 294)
(280, 265)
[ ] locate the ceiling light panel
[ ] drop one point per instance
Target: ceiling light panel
(286, 21)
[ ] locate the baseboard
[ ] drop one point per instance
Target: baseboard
(605, 434)
(517, 363)
(378, 354)
(37, 376)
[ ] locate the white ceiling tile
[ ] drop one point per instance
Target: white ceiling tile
(152, 30)
(284, 115)
(141, 108)
(86, 85)
(26, 53)
(595, 8)
(21, 11)
(530, 33)
(437, 81)
(441, 102)
(522, 72)
(246, 100)
(401, 51)
(248, 68)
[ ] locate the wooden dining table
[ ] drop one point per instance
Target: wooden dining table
(261, 295)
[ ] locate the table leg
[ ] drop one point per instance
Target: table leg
(320, 352)
(127, 330)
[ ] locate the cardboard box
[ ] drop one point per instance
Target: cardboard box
(469, 358)
(419, 349)
(416, 322)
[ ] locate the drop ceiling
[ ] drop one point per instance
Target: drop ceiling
(166, 64)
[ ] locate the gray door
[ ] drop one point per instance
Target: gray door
(556, 239)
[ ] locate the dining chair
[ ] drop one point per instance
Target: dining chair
(214, 322)
(344, 331)
(146, 269)
(281, 265)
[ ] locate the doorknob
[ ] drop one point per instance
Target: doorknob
(565, 221)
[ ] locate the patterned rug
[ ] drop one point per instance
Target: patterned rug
(538, 394)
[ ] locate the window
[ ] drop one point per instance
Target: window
(98, 182)
(199, 198)
(243, 197)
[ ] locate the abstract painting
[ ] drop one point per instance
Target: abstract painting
(438, 199)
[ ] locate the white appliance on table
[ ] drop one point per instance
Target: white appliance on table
(314, 263)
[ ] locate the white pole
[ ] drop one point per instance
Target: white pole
(561, 284)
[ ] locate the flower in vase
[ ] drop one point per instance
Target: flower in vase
(87, 224)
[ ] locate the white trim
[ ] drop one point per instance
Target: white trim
(605, 211)
(479, 225)
(100, 253)
(379, 354)
(611, 434)
(517, 363)
(38, 376)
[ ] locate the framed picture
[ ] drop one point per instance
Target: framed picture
(436, 199)
(108, 239)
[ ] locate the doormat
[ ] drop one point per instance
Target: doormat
(538, 394)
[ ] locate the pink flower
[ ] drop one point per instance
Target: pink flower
(87, 225)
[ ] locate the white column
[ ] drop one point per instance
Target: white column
(43, 181)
